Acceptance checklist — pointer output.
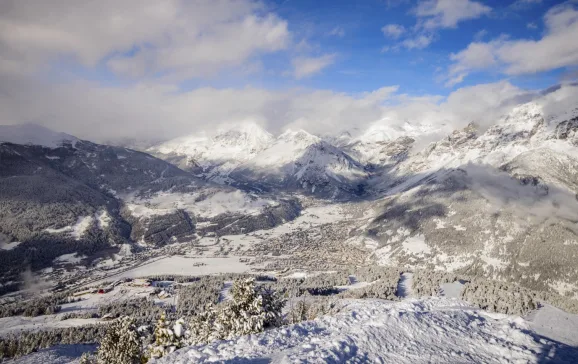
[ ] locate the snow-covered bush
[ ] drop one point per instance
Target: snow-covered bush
(499, 297)
(251, 309)
(87, 358)
(491, 295)
(297, 287)
(25, 342)
(168, 338)
(326, 280)
(383, 285)
(143, 310)
(310, 308)
(121, 344)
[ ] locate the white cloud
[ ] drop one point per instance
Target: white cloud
(556, 49)
(157, 111)
(326, 112)
(477, 56)
(448, 13)
(481, 103)
(420, 41)
(393, 30)
(481, 34)
(433, 15)
(308, 66)
(195, 38)
(93, 111)
(337, 32)
(532, 25)
(139, 36)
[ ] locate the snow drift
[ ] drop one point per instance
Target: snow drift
(437, 330)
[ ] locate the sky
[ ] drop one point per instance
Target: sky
(158, 69)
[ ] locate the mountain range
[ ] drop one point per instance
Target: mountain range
(498, 200)
(73, 196)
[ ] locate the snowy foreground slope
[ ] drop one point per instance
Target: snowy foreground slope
(438, 330)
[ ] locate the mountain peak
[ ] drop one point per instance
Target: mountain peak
(246, 132)
(299, 135)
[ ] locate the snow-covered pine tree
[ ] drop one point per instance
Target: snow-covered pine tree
(121, 344)
(251, 310)
(244, 314)
(298, 312)
(273, 304)
(167, 338)
(202, 327)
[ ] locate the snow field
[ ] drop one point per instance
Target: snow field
(15, 324)
(436, 330)
(218, 203)
(178, 265)
(90, 301)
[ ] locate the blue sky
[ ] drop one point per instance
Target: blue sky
(351, 31)
(361, 65)
(196, 64)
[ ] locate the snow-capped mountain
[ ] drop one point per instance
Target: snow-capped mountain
(298, 160)
(384, 143)
(248, 156)
(500, 202)
(528, 128)
(214, 156)
(84, 198)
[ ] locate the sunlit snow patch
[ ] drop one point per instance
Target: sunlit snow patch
(72, 258)
(76, 230)
(416, 245)
(9, 246)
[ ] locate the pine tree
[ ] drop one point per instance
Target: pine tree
(244, 314)
(251, 310)
(273, 304)
(167, 338)
(202, 329)
(121, 344)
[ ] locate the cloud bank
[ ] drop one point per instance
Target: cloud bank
(555, 49)
(160, 111)
(140, 69)
(138, 37)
